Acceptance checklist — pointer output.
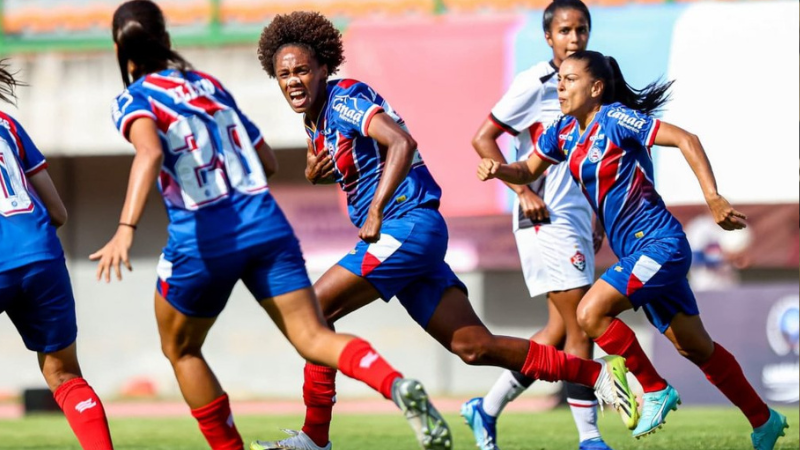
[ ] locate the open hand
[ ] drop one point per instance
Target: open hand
(114, 254)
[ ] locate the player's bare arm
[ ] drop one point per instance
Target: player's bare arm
(689, 144)
(319, 168)
(400, 148)
(43, 185)
(268, 159)
(144, 171)
(520, 172)
(485, 144)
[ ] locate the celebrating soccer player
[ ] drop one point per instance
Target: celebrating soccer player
(35, 289)
(605, 138)
(212, 165)
(359, 141)
(552, 227)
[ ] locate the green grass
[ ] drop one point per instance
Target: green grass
(689, 428)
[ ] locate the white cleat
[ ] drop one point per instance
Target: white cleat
(432, 431)
(297, 440)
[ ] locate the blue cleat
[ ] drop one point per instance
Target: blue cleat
(594, 444)
(484, 426)
(655, 407)
(765, 436)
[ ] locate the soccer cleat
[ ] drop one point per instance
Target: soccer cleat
(612, 388)
(297, 440)
(655, 407)
(484, 426)
(765, 436)
(430, 428)
(594, 444)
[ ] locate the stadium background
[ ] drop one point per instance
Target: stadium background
(442, 64)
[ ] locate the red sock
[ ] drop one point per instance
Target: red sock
(360, 361)
(546, 363)
(216, 423)
(85, 414)
(724, 372)
(620, 340)
(319, 395)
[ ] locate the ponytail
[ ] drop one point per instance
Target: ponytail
(141, 36)
(7, 83)
(648, 100)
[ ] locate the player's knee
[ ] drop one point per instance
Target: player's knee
(175, 351)
(698, 353)
(472, 351)
(588, 319)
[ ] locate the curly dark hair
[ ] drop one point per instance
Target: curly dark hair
(310, 30)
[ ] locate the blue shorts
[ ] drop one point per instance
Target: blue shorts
(408, 262)
(200, 287)
(654, 278)
(38, 299)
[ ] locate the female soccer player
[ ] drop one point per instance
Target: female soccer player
(35, 290)
(605, 138)
(552, 226)
(359, 141)
(212, 166)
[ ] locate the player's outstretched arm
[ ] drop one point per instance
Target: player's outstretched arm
(144, 171)
(520, 172)
(689, 144)
(47, 192)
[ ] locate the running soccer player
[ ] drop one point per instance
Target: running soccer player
(212, 165)
(358, 140)
(552, 225)
(35, 290)
(605, 138)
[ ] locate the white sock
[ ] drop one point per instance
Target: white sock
(585, 414)
(504, 391)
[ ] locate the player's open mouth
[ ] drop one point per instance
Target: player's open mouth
(298, 98)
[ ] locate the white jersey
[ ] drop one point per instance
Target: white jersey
(529, 105)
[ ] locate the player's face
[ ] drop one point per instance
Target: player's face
(568, 33)
(300, 77)
(578, 91)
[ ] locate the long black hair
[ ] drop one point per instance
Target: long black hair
(550, 12)
(647, 100)
(7, 83)
(141, 36)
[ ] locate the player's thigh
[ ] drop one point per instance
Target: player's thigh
(455, 321)
(44, 310)
(566, 306)
(180, 333)
(340, 292)
(601, 303)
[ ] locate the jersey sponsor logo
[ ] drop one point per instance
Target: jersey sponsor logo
(368, 360)
(342, 105)
(579, 261)
(565, 137)
(84, 405)
(631, 122)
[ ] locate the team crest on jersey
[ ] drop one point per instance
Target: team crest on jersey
(579, 261)
(595, 155)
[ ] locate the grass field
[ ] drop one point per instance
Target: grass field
(689, 428)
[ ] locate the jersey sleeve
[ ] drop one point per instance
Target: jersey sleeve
(31, 159)
(547, 146)
(353, 108)
(520, 105)
(128, 107)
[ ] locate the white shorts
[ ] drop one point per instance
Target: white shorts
(555, 258)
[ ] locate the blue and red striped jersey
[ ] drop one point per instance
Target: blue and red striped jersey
(26, 235)
(342, 130)
(611, 162)
(212, 180)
